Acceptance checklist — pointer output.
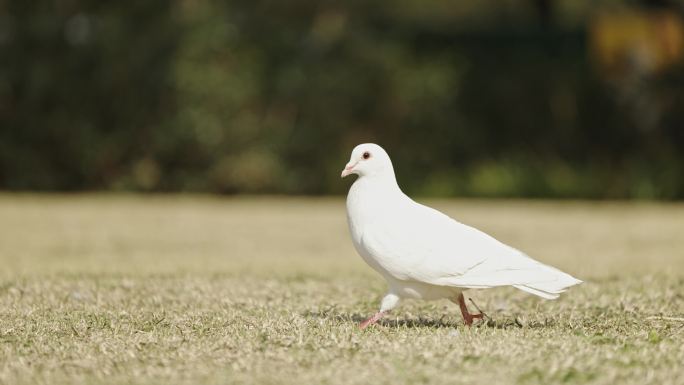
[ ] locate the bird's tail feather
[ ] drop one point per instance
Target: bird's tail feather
(538, 279)
(537, 292)
(550, 289)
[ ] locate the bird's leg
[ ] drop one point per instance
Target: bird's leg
(467, 317)
(389, 301)
(372, 320)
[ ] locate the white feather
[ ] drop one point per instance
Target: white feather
(425, 254)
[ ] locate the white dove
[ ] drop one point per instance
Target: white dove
(423, 253)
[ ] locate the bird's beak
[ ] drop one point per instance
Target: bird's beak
(348, 169)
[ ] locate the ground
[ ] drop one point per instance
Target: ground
(199, 290)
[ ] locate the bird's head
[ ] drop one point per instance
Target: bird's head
(369, 159)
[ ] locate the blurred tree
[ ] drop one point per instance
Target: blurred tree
(485, 99)
(83, 87)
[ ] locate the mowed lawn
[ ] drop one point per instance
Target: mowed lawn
(99, 289)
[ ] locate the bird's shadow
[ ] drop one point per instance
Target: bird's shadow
(411, 322)
(396, 322)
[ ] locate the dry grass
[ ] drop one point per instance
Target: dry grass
(126, 289)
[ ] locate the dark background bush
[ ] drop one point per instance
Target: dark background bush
(470, 98)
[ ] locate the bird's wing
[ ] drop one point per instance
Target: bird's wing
(422, 244)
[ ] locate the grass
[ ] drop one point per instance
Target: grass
(197, 290)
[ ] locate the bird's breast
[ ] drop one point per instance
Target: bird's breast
(364, 209)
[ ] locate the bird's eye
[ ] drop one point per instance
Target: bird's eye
(366, 155)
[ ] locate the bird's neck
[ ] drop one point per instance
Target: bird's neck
(371, 199)
(383, 185)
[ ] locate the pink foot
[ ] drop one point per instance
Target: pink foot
(372, 320)
(467, 316)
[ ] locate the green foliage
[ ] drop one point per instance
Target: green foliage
(269, 97)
